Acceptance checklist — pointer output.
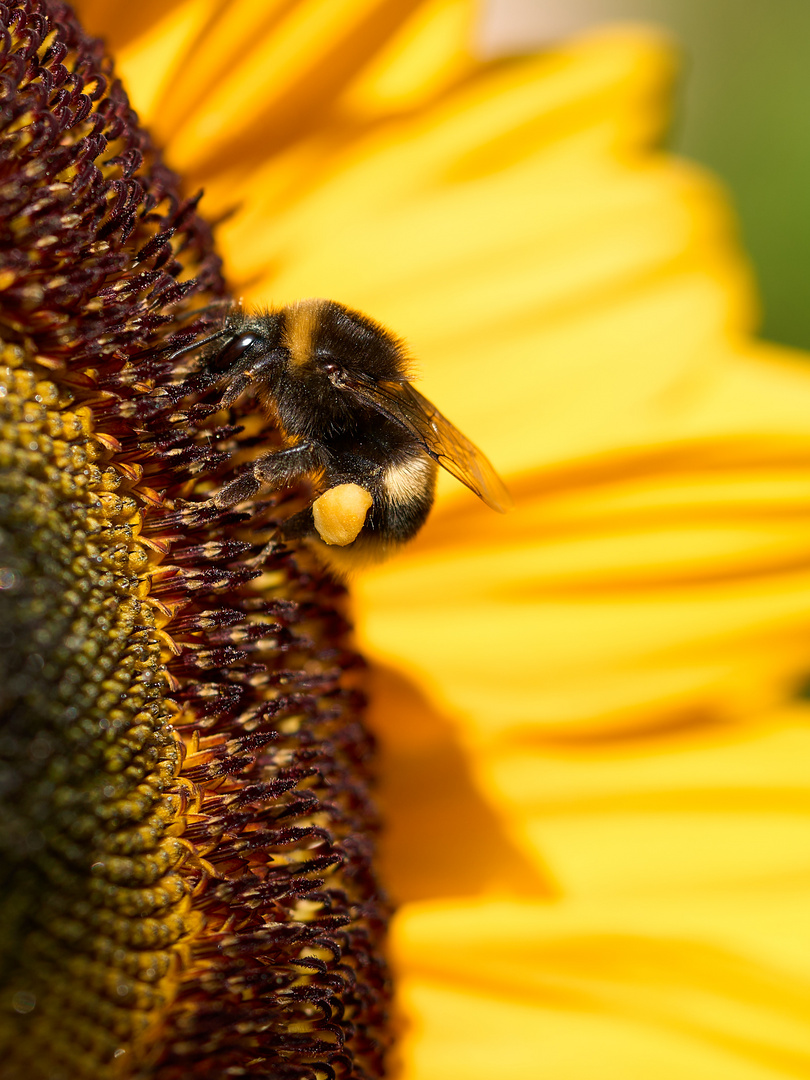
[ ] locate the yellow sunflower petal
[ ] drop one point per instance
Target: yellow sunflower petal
(675, 988)
(243, 80)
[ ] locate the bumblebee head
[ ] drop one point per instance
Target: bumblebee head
(320, 338)
(300, 361)
(322, 335)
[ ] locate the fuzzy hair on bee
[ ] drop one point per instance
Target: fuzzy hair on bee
(338, 384)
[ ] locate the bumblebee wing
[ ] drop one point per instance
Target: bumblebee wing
(399, 401)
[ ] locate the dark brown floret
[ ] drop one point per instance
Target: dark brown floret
(186, 835)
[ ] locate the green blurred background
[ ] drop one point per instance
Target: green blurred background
(744, 111)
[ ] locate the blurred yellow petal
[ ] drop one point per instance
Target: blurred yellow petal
(676, 576)
(672, 989)
(665, 932)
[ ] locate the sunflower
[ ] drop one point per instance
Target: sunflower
(591, 741)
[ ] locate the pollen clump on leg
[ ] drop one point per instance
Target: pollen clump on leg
(340, 513)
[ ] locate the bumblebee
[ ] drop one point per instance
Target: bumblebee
(337, 383)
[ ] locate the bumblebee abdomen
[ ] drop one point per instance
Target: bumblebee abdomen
(401, 500)
(406, 495)
(413, 478)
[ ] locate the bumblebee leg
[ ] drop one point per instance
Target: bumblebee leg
(336, 517)
(272, 470)
(244, 373)
(238, 384)
(298, 526)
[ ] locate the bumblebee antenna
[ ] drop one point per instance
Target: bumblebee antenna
(174, 350)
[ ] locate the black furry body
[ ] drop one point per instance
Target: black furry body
(338, 384)
(287, 358)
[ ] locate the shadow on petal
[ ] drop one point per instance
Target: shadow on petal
(442, 838)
